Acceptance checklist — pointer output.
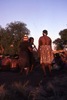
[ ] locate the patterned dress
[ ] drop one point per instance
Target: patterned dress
(46, 55)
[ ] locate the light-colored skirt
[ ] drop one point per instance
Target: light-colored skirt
(46, 55)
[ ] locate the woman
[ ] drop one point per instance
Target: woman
(45, 51)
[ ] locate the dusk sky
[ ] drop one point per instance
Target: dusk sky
(37, 14)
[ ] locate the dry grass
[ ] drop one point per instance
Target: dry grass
(50, 88)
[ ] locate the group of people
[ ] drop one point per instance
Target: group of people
(44, 51)
(29, 56)
(26, 57)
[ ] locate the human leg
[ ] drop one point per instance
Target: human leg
(43, 67)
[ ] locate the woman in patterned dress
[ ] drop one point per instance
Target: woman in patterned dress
(45, 51)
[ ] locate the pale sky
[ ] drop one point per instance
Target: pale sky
(37, 14)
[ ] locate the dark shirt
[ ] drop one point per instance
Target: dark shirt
(24, 46)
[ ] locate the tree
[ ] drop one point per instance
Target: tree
(17, 29)
(2, 31)
(11, 36)
(58, 42)
(63, 35)
(62, 41)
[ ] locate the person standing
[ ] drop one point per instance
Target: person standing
(45, 51)
(24, 59)
(31, 52)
